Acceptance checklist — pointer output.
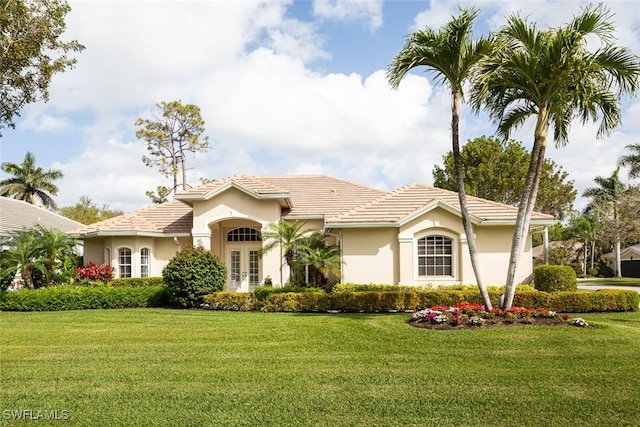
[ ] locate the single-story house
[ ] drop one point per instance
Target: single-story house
(16, 215)
(629, 261)
(410, 236)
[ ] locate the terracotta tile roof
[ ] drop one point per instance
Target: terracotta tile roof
(321, 194)
(16, 215)
(407, 200)
(311, 195)
(252, 183)
(170, 218)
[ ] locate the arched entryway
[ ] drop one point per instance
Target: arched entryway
(242, 257)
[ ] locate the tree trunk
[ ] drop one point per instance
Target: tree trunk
(618, 263)
(462, 196)
(184, 170)
(525, 209)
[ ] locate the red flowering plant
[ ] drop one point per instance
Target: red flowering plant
(93, 273)
(467, 314)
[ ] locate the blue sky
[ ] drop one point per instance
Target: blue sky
(284, 87)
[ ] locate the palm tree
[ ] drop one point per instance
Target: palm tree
(285, 236)
(23, 254)
(451, 55)
(632, 160)
(609, 191)
(325, 261)
(30, 182)
(550, 75)
(58, 252)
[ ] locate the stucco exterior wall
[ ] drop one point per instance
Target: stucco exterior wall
(370, 255)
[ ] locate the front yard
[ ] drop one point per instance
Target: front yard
(192, 367)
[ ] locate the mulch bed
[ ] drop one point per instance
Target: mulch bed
(495, 323)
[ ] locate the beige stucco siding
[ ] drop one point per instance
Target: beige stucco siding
(94, 251)
(234, 203)
(370, 255)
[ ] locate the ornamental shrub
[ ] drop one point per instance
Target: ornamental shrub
(55, 298)
(191, 274)
(93, 272)
(231, 301)
(137, 281)
(262, 292)
(297, 302)
(554, 278)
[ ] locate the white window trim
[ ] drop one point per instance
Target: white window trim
(148, 261)
(455, 259)
(117, 266)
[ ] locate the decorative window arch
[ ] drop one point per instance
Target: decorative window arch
(244, 234)
(436, 255)
(145, 262)
(124, 262)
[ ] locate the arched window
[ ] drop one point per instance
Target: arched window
(144, 262)
(435, 256)
(124, 262)
(243, 234)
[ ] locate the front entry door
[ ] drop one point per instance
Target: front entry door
(243, 267)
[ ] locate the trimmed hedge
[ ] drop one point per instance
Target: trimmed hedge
(230, 301)
(554, 278)
(137, 281)
(55, 298)
(388, 301)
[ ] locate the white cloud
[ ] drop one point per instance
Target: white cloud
(348, 10)
(247, 65)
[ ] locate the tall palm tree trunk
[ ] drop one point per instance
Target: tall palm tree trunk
(523, 219)
(462, 196)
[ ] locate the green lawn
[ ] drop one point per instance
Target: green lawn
(169, 367)
(610, 281)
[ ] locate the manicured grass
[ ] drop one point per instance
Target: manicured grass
(170, 367)
(610, 281)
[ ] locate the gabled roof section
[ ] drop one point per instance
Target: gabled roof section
(413, 200)
(253, 186)
(16, 215)
(308, 196)
(322, 195)
(174, 218)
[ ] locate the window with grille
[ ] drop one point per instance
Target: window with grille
(243, 234)
(435, 256)
(144, 262)
(124, 262)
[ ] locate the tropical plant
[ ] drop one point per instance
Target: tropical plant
(323, 260)
(551, 76)
(30, 182)
(452, 57)
(39, 253)
(632, 160)
(285, 236)
(173, 130)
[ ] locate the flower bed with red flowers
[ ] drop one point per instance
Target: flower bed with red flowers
(466, 315)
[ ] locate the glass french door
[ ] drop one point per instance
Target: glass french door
(243, 268)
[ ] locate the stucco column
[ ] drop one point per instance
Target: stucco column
(201, 237)
(405, 249)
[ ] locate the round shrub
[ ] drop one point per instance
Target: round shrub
(192, 274)
(554, 278)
